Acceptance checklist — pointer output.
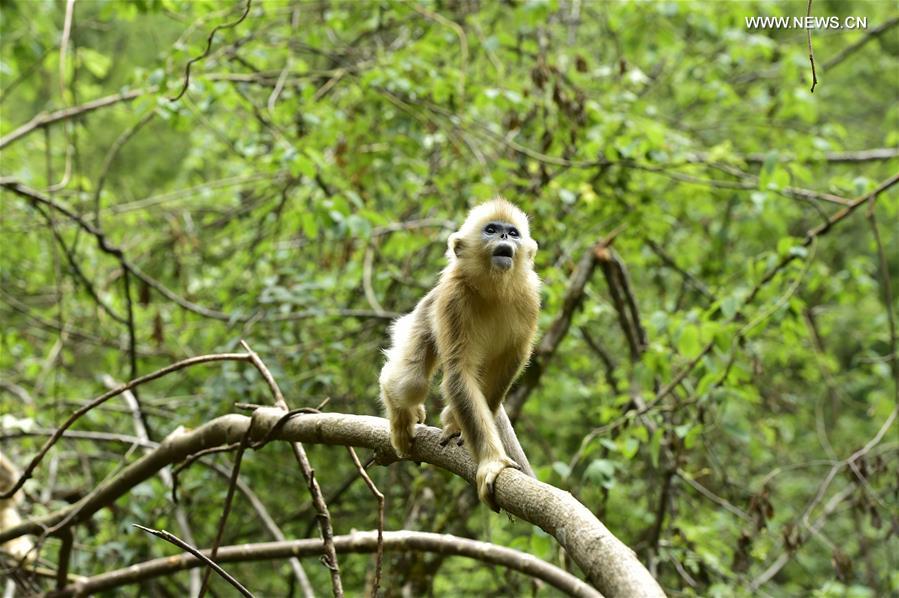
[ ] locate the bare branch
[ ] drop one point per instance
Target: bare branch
(48, 118)
(379, 496)
(871, 155)
(812, 234)
(38, 198)
(208, 48)
(811, 53)
(399, 541)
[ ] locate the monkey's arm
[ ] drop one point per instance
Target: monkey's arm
(478, 427)
(499, 379)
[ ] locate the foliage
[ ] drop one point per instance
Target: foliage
(267, 193)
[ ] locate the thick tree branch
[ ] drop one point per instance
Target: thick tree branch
(611, 567)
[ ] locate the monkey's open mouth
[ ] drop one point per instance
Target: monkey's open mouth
(502, 256)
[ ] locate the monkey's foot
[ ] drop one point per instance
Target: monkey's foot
(420, 414)
(488, 471)
(451, 430)
(402, 430)
(451, 427)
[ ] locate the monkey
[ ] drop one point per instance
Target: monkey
(477, 325)
(21, 547)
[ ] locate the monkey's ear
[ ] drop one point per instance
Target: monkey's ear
(456, 244)
(532, 248)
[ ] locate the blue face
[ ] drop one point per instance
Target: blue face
(495, 231)
(504, 238)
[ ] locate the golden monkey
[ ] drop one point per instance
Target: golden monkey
(477, 325)
(19, 548)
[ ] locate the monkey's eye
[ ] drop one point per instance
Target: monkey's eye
(490, 229)
(513, 232)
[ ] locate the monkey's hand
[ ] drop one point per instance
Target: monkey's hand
(488, 471)
(402, 429)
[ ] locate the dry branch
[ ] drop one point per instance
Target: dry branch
(48, 118)
(363, 542)
(610, 566)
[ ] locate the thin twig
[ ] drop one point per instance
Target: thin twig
(114, 150)
(367, 272)
(226, 508)
(208, 48)
(379, 496)
(173, 539)
(282, 77)
(820, 230)
(811, 53)
(63, 559)
(191, 459)
(270, 525)
(76, 269)
(132, 346)
(607, 361)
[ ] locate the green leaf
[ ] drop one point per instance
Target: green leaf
(688, 342)
(562, 469)
(96, 63)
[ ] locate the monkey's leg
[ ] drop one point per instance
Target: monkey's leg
(404, 388)
(479, 429)
(406, 376)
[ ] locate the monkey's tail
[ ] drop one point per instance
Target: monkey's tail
(510, 442)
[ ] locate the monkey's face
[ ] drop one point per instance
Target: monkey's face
(503, 241)
(494, 239)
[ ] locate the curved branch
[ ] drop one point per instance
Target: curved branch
(610, 566)
(363, 542)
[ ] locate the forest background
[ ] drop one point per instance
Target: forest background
(716, 375)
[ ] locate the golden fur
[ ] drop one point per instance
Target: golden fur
(19, 548)
(478, 325)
